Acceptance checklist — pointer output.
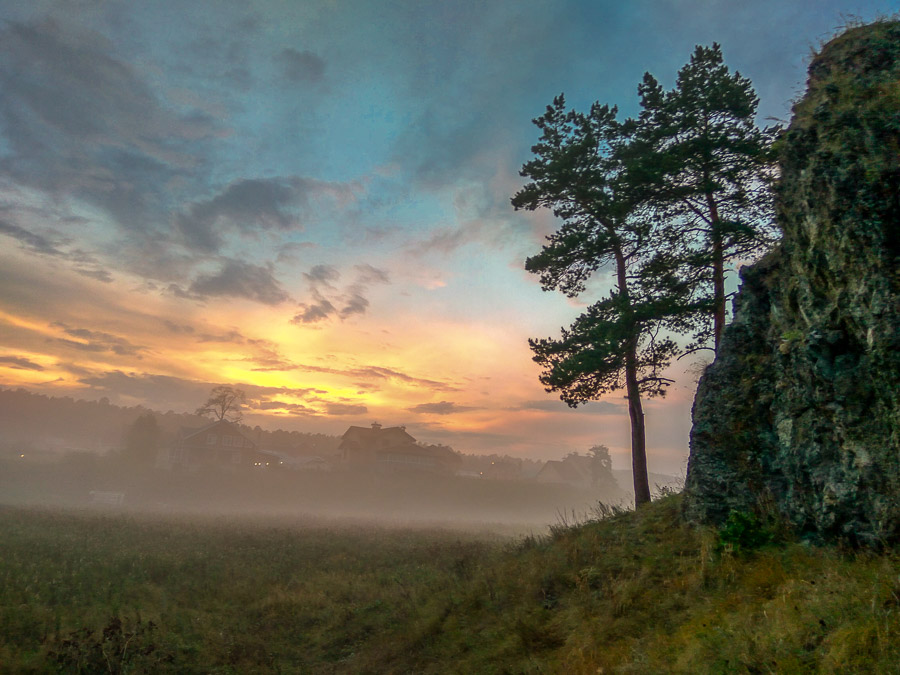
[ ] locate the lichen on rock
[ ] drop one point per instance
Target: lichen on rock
(801, 409)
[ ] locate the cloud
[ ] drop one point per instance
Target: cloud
(289, 252)
(557, 406)
(231, 336)
(99, 275)
(345, 409)
(245, 205)
(20, 363)
(367, 274)
(364, 376)
(31, 240)
(327, 300)
(81, 122)
(291, 408)
(300, 66)
(322, 274)
(44, 245)
(179, 394)
(178, 328)
(237, 279)
(440, 408)
(314, 312)
(97, 341)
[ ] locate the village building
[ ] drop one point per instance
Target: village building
(218, 445)
(392, 448)
(575, 470)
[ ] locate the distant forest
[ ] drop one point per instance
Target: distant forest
(48, 425)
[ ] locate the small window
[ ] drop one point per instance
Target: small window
(176, 455)
(210, 439)
(239, 441)
(226, 440)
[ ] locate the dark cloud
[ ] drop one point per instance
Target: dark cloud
(354, 304)
(20, 363)
(367, 274)
(179, 292)
(237, 279)
(79, 121)
(99, 275)
(345, 409)
(156, 391)
(327, 300)
(440, 408)
(300, 66)
(289, 252)
(54, 247)
(231, 336)
(30, 240)
(97, 341)
(291, 408)
(178, 328)
(314, 312)
(322, 274)
(244, 205)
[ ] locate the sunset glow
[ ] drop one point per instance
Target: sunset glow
(310, 201)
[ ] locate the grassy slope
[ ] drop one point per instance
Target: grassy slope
(638, 593)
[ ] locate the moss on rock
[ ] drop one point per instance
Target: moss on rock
(801, 409)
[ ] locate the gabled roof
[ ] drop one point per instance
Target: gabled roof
(373, 436)
(568, 470)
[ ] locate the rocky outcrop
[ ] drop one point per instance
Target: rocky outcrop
(800, 412)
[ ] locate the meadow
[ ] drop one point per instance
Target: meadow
(92, 591)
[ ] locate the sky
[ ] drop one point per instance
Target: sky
(310, 201)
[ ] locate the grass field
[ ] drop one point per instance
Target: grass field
(635, 593)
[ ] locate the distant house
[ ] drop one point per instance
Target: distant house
(392, 448)
(297, 463)
(574, 470)
(220, 444)
(503, 469)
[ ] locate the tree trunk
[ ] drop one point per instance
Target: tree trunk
(718, 266)
(638, 438)
(635, 409)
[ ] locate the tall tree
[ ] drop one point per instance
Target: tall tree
(617, 343)
(704, 165)
(601, 466)
(142, 439)
(224, 403)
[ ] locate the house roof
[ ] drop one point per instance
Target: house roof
(571, 469)
(372, 436)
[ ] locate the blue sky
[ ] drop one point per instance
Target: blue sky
(311, 200)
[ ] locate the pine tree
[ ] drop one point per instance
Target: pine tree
(618, 343)
(699, 160)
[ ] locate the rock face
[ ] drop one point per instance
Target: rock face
(801, 409)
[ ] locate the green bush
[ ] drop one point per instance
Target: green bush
(743, 532)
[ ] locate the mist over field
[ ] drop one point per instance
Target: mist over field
(68, 453)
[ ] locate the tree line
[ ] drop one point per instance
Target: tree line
(663, 202)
